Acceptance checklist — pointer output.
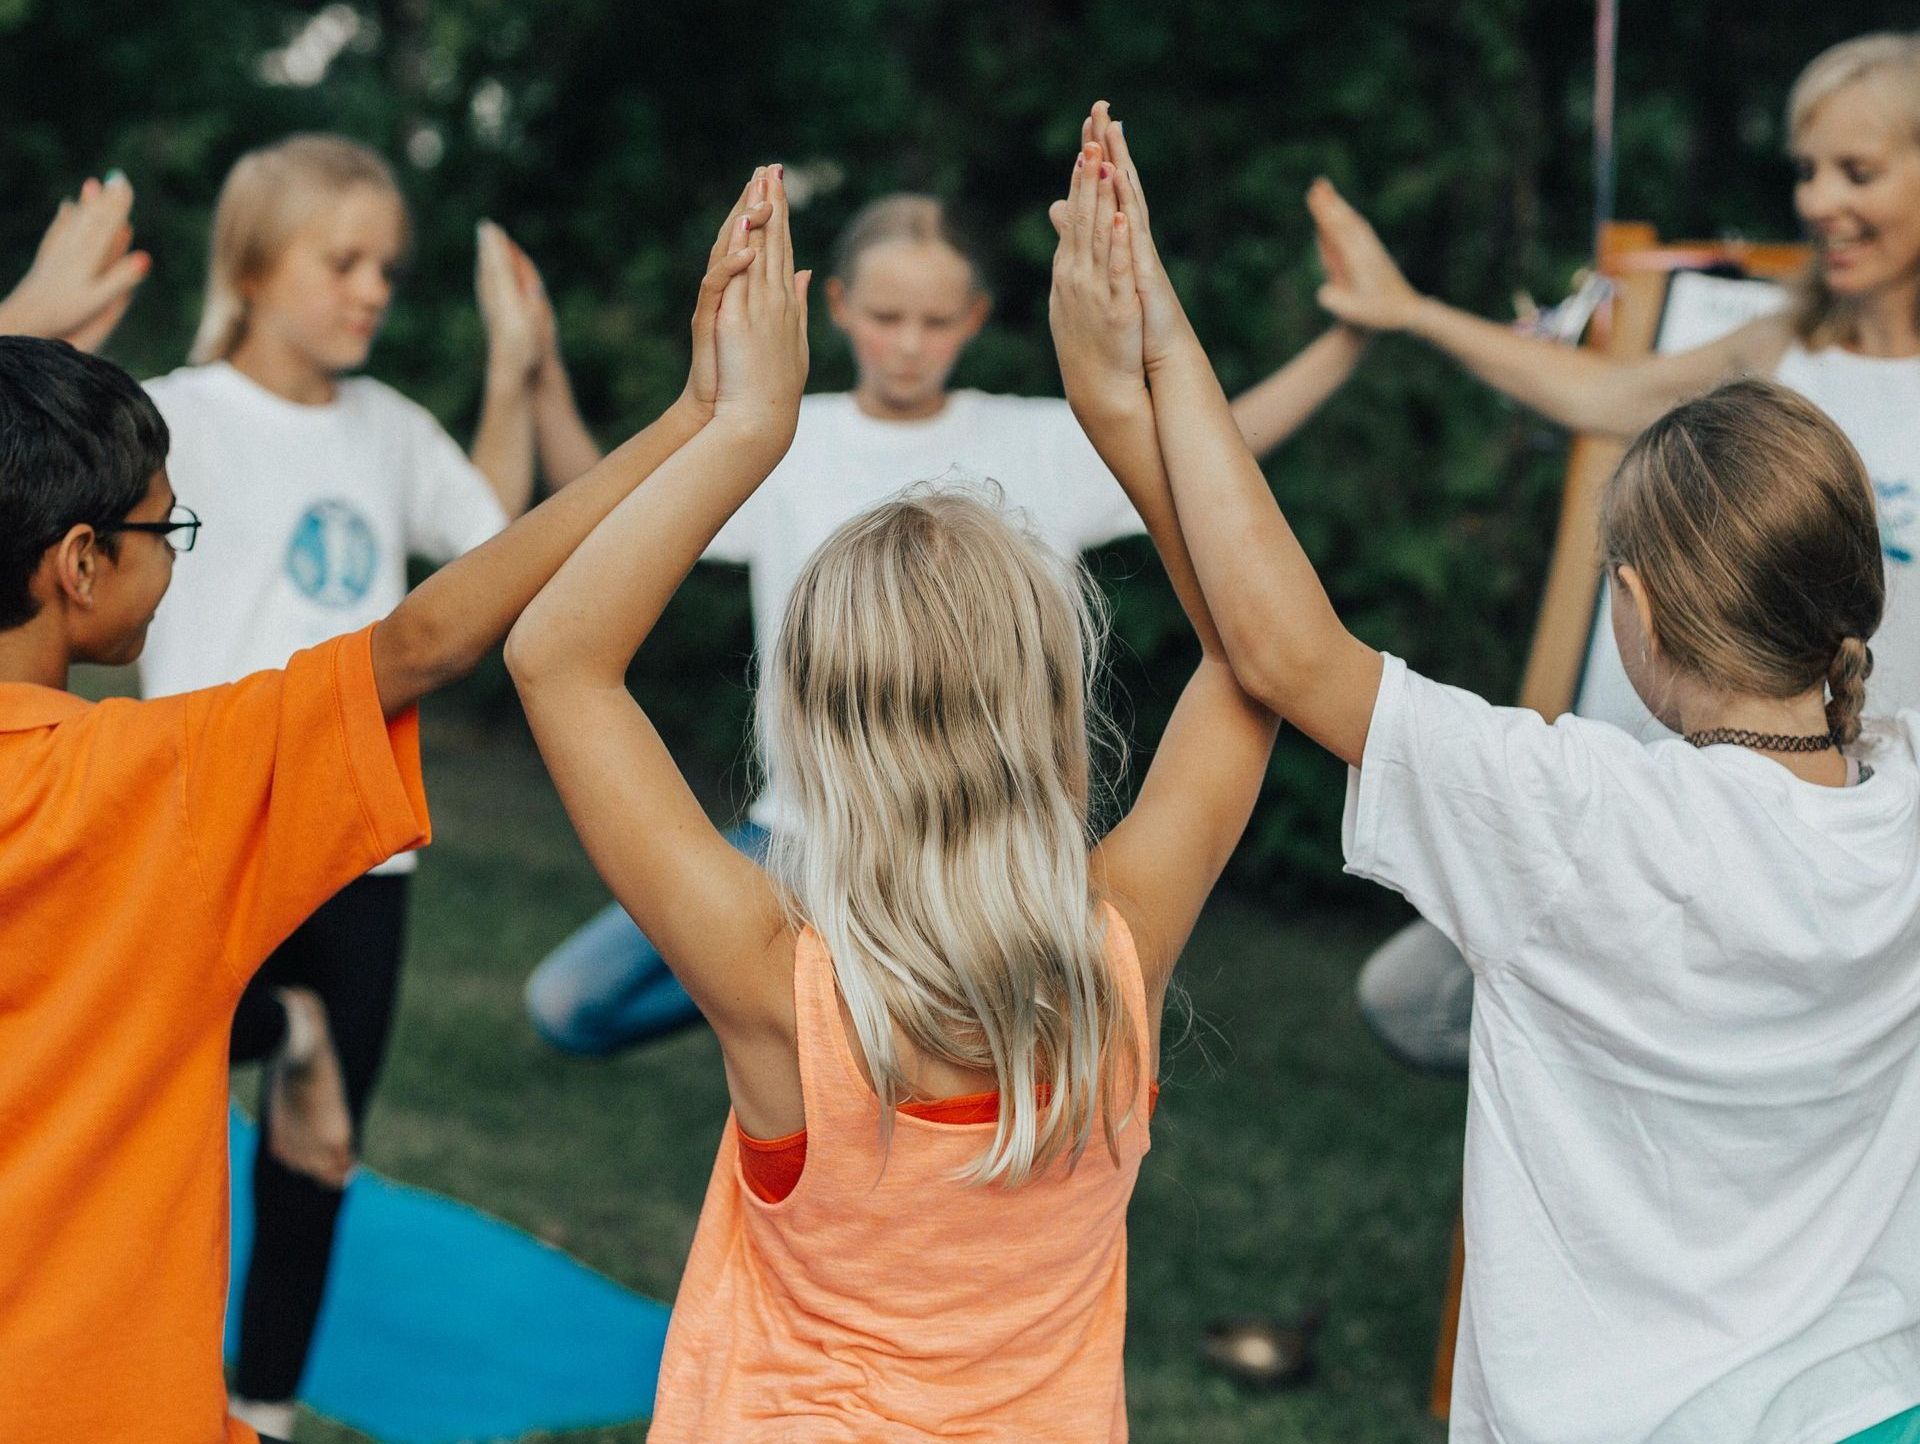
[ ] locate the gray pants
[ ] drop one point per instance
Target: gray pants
(1416, 993)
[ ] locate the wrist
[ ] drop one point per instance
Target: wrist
(507, 380)
(17, 319)
(1423, 313)
(755, 429)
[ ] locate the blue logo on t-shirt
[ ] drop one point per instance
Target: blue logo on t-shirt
(1899, 514)
(332, 555)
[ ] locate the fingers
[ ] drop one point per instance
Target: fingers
(1082, 195)
(1057, 213)
(1113, 139)
(116, 283)
(749, 200)
(1103, 214)
(1120, 281)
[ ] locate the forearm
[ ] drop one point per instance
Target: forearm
(503, 442)
(1274, 615)
(447, 624)
(1576, 387)
(1126, 438)
(566, 448)
(1272, 410)
(590, 620)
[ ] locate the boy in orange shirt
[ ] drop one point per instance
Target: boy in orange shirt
(152, 854)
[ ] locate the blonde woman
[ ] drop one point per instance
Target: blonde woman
(1850, 342)
(939, 1009)
(317, 485)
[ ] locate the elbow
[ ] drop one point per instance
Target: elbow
(525, 662)
(1271, 667)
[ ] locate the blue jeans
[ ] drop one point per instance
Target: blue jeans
(606, 988)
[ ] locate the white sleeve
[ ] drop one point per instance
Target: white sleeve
(451, 506)
(1474, 813)
(1098, 509)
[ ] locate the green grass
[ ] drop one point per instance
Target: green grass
(1291, 1161)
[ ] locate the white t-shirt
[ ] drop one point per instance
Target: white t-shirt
(1876, 402)
(310, 514)
(843, 462)
(1693, 1130)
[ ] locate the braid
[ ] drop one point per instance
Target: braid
(1847, 677)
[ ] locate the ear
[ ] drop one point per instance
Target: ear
(977, 312)
(73, 566)
(837, 302)
(1627, 583)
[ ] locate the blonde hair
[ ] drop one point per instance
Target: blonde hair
(1750, 519)
(1891, 59)
(903, 217)
(925, 717)
(268, 196)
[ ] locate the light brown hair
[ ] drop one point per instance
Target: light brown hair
(925, 718)
(268, 196)
(903, 216)
(1888, 60)
(1750, 520)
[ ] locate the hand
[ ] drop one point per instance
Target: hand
(729, 256)
(1364, 287)
(84, 272)
(1094, 306)
(760, 333)
(514, 307)
(1163, 319)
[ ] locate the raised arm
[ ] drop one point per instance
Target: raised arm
(450, 621)
(712, 914)
(83, 274)
(503, 440)
(1285, 642)
(1270, 411)
(1162, 860)
(1577, 387)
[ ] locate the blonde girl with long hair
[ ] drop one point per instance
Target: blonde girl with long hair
(909, 292)
(318, 484)
(1693, 1123)
(1849, 341)
(939, 1007)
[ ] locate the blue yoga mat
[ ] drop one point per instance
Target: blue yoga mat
(443, 1325)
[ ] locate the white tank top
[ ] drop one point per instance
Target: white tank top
(1876, 402)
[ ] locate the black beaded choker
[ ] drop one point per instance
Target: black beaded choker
(1763, 741)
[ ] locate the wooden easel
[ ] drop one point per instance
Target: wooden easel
(1640, 267)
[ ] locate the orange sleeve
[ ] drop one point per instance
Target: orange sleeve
(296, 784)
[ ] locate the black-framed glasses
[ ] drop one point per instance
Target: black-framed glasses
(182, 519)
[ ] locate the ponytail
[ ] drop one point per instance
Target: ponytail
(1847, 688)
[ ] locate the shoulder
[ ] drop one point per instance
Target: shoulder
(375, 400)
(191, 387)
(1758, 348)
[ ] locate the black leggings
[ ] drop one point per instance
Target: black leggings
(349, 953)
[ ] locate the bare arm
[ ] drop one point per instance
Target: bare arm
(1286, 644)
(1577, 387)
(443, 628)
(1270, 411)
(503, 440)
(712, 914)
(566, 448)
(1165, 856)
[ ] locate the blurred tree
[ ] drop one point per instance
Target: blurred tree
(609, 137)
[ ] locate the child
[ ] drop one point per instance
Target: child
(940, 1013)
(1693, 1133)
(153, 854)
(1850, 343)
(324, 483)
(909, 294)
(84, 273)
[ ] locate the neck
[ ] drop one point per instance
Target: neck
(1889, 323)
(279, 368)
(872, 403)
(1801, 716)
(35, 652)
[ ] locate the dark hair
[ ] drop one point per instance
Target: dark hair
(1750, 518)
(79, 444)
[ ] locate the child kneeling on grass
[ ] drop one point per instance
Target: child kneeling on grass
(1693, 1129)
(152, 854)
(939, 1007)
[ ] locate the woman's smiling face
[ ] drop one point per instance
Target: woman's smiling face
(1858, 190)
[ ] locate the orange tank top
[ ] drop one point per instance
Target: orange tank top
(882, 1299)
